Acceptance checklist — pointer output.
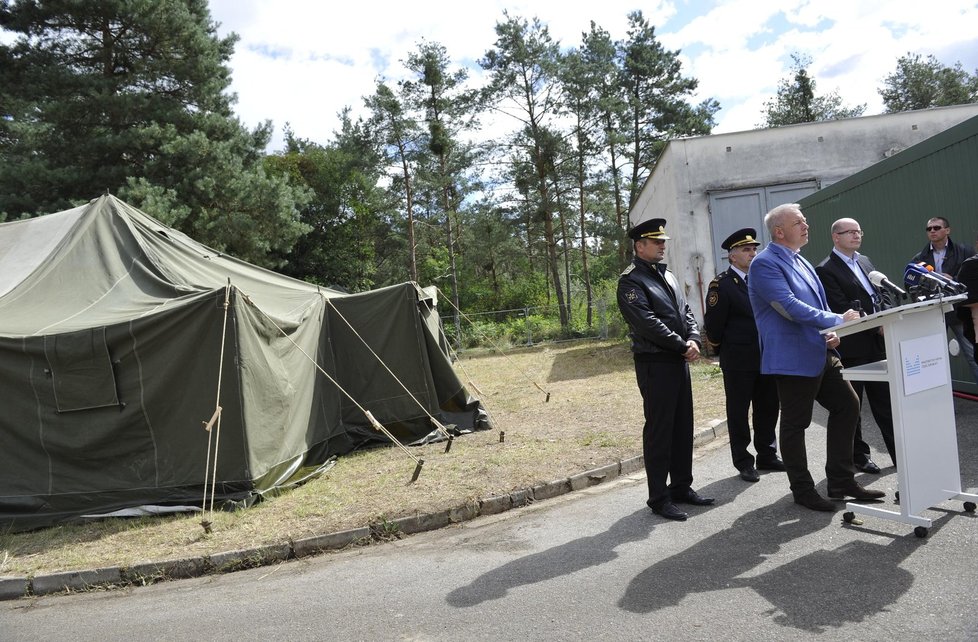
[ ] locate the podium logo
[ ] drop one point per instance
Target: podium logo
(912, 367)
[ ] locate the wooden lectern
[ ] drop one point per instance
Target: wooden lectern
(918, 370)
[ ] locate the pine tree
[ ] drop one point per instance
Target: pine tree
(130, 96)
(796, 101)
(920, 83)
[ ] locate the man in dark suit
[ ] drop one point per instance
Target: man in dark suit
(845, 276)
(946, 257)
(731, 332)
(665, 340)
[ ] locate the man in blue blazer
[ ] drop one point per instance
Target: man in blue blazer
(790, 310)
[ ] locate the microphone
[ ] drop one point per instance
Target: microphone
(879, 280)
(956, 286)
(917, 277)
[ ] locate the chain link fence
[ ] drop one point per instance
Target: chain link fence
(531, 325)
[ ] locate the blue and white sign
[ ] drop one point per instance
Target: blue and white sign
(924, 363)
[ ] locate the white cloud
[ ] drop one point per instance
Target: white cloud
(302, 61)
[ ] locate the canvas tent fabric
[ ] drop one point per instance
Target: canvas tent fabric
(112, 328)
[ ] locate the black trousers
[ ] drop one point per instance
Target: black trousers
(798, 396)
(744, 389)
(667, 438)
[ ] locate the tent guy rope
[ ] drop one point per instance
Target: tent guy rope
(438, 426)
(216, 417)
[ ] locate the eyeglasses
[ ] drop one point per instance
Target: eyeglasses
(934, 228)
(852, 232)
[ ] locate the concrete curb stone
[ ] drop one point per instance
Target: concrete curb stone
(330, 542)
(76, 580)
(13, 587)
(151, 572)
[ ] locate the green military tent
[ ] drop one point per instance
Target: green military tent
(120, 338)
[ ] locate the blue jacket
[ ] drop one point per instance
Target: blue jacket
(789, 312)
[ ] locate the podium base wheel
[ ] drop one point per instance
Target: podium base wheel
(920, 532)
(969, 507)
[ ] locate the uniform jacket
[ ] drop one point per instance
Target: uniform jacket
(654, 305)
(789, 312)
(729, 323)
(842, 288)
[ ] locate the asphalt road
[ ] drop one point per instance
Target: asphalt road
(592, 565)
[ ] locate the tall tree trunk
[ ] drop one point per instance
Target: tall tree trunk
(616, 188)
(409, 200)
(585, 274)
(551, 240)
(448, 204)
(563, 237)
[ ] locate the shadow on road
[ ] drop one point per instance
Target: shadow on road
(821, 590)
(560, 560)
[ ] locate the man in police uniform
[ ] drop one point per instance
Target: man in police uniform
(665, 340)
(730, 330)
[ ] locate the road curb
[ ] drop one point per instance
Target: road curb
(14, 587)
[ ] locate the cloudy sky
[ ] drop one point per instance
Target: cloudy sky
(302, 61)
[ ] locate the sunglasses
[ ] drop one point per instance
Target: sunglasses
(934, 228)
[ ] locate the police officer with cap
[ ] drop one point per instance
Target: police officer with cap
(665, 340)
(731, 332)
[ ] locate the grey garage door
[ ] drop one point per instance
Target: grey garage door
(734, 209)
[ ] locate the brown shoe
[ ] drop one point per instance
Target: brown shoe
(811, 499)
(855, 491)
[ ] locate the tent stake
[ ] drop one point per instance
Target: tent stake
(448, 446)
(502, 436)
(417, 471)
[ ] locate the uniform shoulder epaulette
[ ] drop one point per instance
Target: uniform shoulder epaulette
(628, 270)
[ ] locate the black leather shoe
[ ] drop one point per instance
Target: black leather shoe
(749, 474)
(855, 491)
(868, 466)
(669, 511)
(692, 497)
(814, 501)
(774, 464)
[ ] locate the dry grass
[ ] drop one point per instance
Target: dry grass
(593, 418)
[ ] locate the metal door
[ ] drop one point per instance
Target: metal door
(736, 209)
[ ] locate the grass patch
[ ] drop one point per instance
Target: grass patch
(593, 418)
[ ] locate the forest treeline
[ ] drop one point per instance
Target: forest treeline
(132, 97)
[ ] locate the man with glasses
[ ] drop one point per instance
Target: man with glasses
(790, 310)
(845, 276)
(665, 340)
(946, 257)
